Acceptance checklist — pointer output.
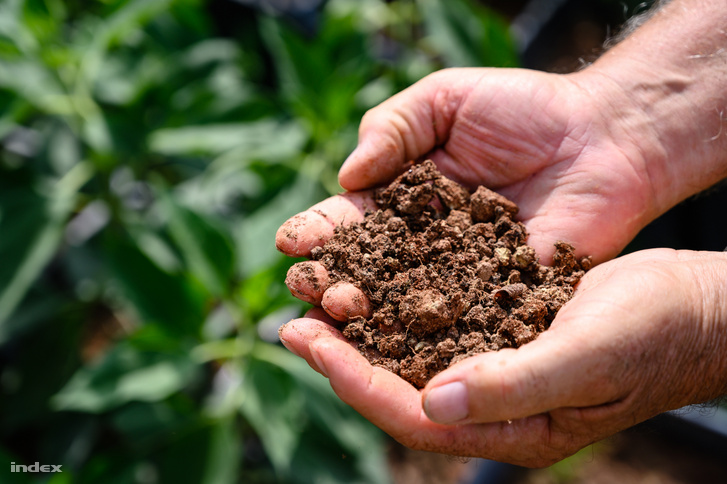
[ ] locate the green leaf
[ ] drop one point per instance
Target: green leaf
(31, 81)
(127, 19)
(210, 454)
(36, 223)
(467, 34)
(168, 300)
(149, 425)
(255, 235)
(12, 27)
(265, 291)
(320, 76)
(315, 425)
(262, 139)
(274, 408)
(125, 374)
(206, 248)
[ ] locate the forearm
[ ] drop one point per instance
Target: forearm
(666, 86)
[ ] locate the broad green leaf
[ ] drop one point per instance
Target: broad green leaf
(168, 300)
(467, 34)
(205, 246)
(261, 139)
(265, 291)
(125, 374)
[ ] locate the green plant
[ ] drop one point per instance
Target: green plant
(147, 159)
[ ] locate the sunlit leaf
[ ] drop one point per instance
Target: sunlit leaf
(260, 139)
(467, 34)
(32, 82)
(125, 374)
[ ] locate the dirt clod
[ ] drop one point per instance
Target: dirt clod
(448, 275)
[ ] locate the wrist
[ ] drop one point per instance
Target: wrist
(663, 92)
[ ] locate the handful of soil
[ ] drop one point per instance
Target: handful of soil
(448, 275)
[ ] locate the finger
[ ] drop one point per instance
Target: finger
(307, 281)
(402, 128)
(312, 228)
(297, 334)
(559, 369)
(394, 405)
(344, 301)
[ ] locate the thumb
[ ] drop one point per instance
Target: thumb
(551, 372)
(403, 128)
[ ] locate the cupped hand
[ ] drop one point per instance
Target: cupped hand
(643, 334)
(551, 143)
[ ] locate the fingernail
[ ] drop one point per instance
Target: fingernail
(319, 362)
(447, 404)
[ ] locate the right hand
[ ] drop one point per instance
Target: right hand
(548, 142)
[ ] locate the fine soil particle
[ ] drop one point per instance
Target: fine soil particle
(448, 275)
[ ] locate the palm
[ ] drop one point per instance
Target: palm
(535, 137)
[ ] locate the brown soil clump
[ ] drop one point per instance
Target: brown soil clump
(448, 275)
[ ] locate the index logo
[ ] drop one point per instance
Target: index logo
(34, 468)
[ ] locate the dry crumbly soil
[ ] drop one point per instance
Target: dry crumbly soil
(448, 275)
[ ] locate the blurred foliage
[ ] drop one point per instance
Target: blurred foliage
(150, 149)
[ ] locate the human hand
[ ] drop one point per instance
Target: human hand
(643, 334)
(545, 141)
(541, 139)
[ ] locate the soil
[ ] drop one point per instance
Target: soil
(448, 274)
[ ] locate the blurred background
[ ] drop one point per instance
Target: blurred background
(149, 149)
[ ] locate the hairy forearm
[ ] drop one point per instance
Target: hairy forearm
(666, 86)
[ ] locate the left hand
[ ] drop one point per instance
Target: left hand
(644, 333)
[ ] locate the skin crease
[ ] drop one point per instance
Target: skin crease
(590, 157)
(567, 388)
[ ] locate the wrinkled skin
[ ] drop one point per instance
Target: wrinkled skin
(573, 172)
(643, 334)
(618, 353)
